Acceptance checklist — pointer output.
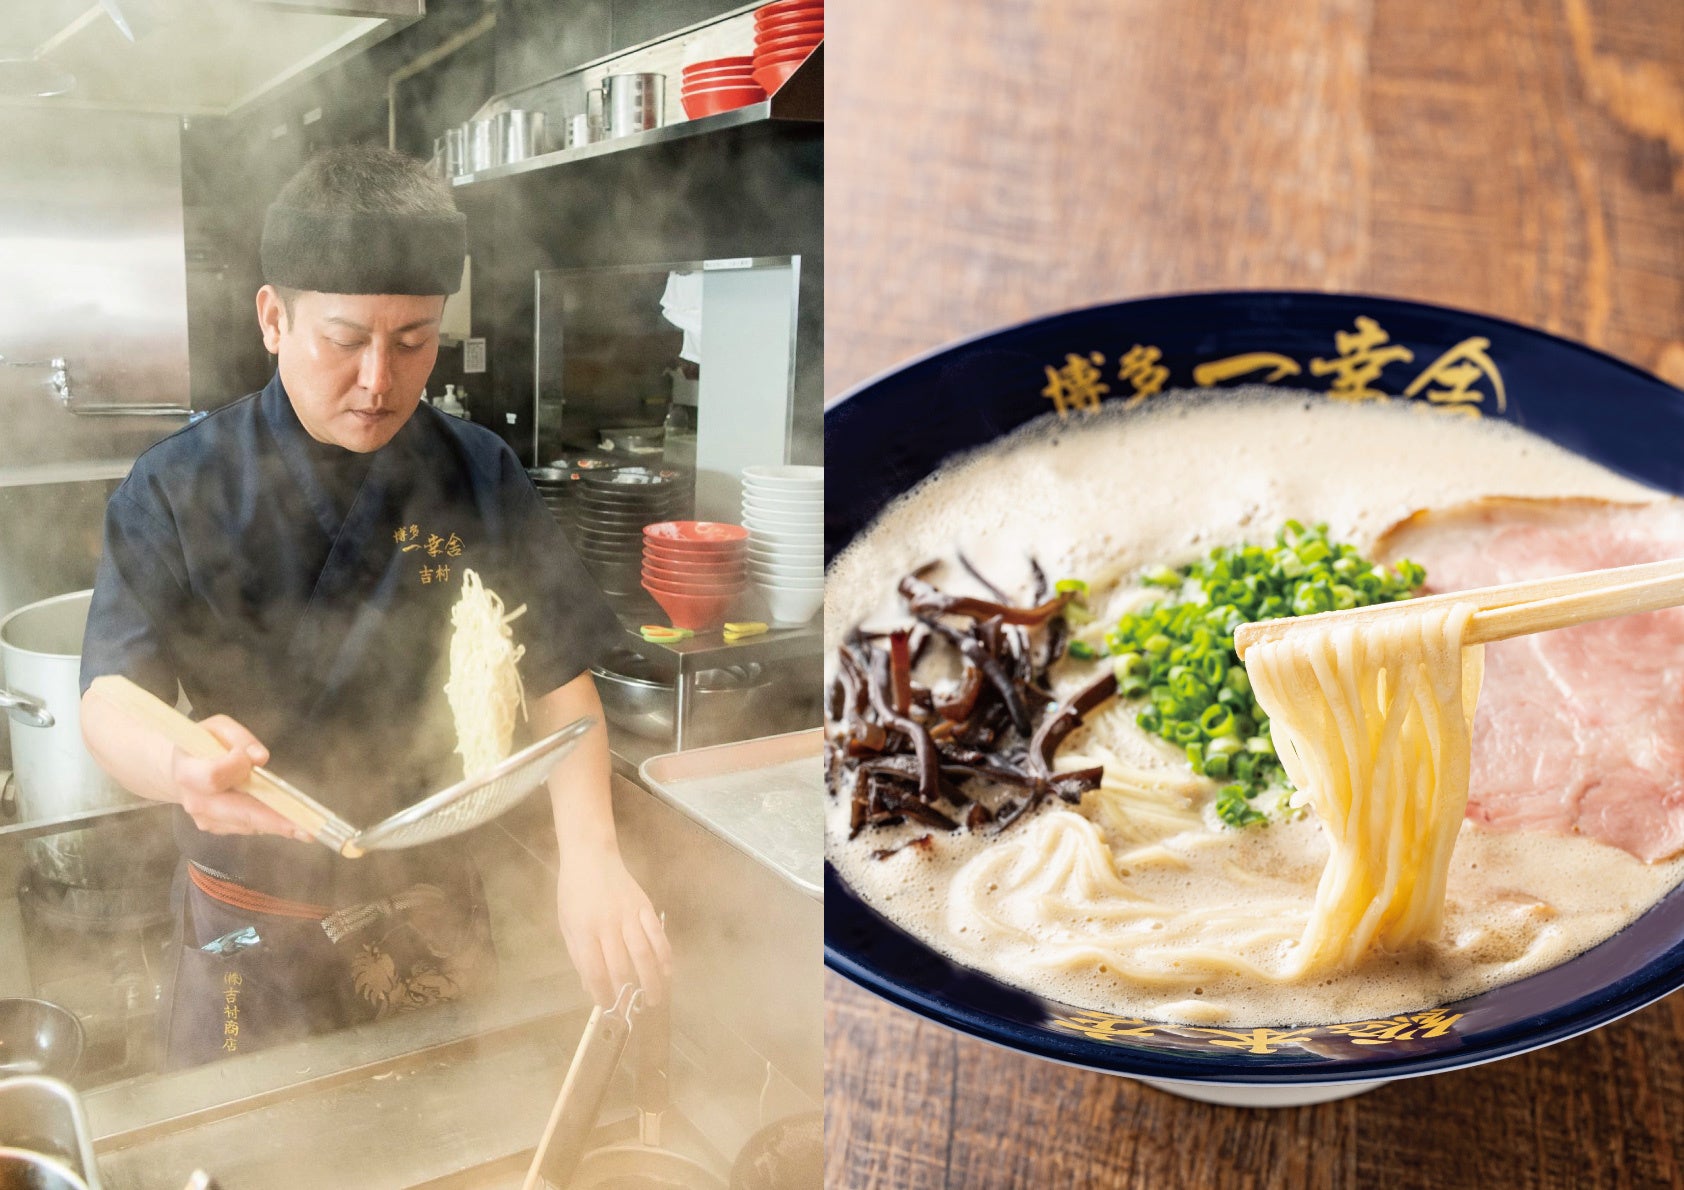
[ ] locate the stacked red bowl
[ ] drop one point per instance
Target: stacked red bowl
(784, 34)
(718, 85)
(694, 570)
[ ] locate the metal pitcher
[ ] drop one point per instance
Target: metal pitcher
(450, 151)
(521, 134)
(633, 103)
(481, 149)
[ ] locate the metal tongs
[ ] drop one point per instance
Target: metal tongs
(467, 804)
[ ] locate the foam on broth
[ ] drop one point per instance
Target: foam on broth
(1101, 498)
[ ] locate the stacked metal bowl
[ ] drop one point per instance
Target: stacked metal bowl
(558, 483)
(610, 509)
(555, 488)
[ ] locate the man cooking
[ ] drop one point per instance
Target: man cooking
(290, 562)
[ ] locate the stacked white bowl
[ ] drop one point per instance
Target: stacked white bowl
(783, 508)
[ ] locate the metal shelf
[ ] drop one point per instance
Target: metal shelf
(708, 650)
(799, 101)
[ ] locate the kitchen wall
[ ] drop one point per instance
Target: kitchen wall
(537, 39)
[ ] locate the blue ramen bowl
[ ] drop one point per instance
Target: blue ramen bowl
(891, 432)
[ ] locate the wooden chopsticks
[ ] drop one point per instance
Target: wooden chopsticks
(1516, 609)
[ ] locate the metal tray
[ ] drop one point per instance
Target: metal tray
(765, 797)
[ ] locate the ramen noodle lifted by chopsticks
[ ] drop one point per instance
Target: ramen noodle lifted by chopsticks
(1373, 714)
(484, 688)
(1374, 724)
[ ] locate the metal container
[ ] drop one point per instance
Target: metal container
(581, 130)
(38, 1037)
(22, 1169)
(731, 702)
(451, 152)
(633, 103)
(619, 1166)
(41, 647)
(521, 134)
(43, 1116)
(482, 149)
(786, 1152)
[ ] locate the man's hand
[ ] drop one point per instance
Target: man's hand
(613, 934)
(210, 788)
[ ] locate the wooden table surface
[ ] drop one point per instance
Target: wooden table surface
(989, 160)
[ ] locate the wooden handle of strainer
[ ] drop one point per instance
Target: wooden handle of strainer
(142, 707)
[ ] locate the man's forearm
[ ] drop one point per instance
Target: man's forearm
(580, 790)
(135, 756)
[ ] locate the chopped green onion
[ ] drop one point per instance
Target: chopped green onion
(1130, 665)
(1184, 732)
(1178, 653)
(1234, 808)
(1071, 584)
(1082, 651)
(1216, 720)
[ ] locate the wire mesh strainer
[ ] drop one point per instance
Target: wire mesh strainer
(463, 806)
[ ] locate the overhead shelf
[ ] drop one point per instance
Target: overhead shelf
(799, 101)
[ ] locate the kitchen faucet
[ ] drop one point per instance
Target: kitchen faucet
(61, 390)
(61, 374)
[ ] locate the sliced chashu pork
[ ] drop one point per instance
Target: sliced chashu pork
(1579, 731)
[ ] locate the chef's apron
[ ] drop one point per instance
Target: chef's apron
(253, 971)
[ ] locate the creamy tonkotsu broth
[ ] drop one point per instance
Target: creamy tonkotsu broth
(1162, 912)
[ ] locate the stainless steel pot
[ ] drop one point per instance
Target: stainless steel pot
(41, 654)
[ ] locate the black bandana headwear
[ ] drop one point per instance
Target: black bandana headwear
(333, 253)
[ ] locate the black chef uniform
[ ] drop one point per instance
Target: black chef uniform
(305, 590)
